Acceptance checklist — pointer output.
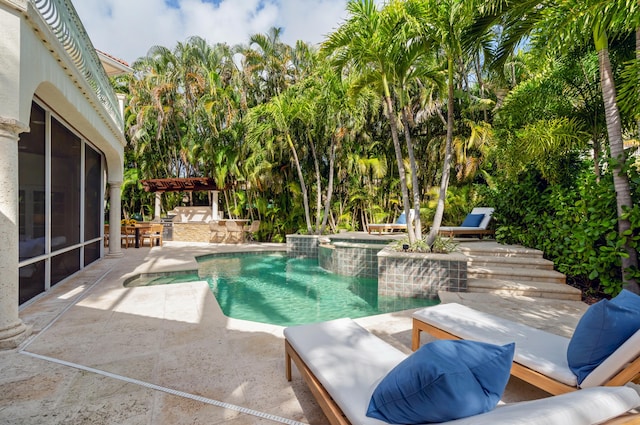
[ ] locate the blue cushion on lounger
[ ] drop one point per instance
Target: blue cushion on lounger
(442, 381)
(402, 219)
(472, 220)
(604, 327)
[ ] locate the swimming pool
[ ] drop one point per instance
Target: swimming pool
(275, 289)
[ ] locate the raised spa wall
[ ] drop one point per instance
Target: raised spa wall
(401, 274)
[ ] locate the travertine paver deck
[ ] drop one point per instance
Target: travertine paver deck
(105, 354)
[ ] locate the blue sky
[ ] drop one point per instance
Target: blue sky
(128, 28)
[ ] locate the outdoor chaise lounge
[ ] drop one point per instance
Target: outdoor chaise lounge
(475, 224)
(541, 358)
(342, 363)
(400, 224)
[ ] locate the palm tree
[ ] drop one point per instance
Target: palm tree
(269, 62)
(445, 24)
(561, 26)
(363, 45)
(270, 126)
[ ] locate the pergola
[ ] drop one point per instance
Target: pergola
(188, 184)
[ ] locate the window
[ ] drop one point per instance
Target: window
(60, 203)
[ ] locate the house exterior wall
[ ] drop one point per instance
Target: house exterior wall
(34, 65)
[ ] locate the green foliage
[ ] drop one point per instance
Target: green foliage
(575, 225)
(441, 245)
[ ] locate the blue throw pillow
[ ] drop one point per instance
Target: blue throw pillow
(604, 327)
(442, 381)
(472, 220)
(402, 219)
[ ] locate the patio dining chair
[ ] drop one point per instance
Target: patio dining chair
(251, 229)
(218, 232)
(106, 235)
(235, 231)
(128, 236)
(153, 234)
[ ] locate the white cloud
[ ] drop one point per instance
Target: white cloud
(128, 28)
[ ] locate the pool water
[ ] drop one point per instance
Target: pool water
(285, 291)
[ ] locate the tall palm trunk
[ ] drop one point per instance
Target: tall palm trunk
(391, 115)
(616, 146)
(480, 83)
(327, 203)
(303, 186)
(414, 173)
(316, 166)
(446, 166)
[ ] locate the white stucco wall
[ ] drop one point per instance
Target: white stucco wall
(29, 69)
(34, 64)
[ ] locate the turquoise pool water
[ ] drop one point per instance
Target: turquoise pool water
(285, 291)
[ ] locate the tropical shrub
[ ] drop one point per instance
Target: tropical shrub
(574, 224)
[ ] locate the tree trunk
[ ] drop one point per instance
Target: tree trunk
(303, 186)
(480, 83)
(316, 167)
(444, 183)
(616, 146)
(327, 202)
(401, 173)
(414, 174)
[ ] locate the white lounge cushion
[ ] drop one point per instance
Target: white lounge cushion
(348, 361)
(536, 349)
(588, 406)
(625, 354)
(459, 228)
(488, 212)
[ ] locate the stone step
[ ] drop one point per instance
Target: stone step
(514, 262)
(530, 289)
(516, 274)
(494, 249)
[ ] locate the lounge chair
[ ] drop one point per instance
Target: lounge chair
(476, 224)
(342, 363)
(400, 224)
(540, 357)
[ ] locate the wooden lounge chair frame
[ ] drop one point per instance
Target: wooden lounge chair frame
(381, 227)
(630, 373)
(466, 231)
(336, 416)
(385, 227)
(481, 230)
(324, 399)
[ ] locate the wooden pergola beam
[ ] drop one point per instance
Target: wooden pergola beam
(190, 184)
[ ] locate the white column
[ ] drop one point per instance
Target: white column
(158, 207)
(214, 205)
(115, 250)
(12, 330)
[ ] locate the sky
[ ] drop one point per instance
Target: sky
(127, 29)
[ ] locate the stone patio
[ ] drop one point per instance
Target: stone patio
(101, 353)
